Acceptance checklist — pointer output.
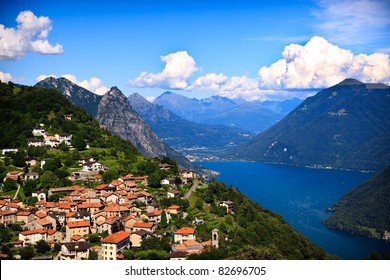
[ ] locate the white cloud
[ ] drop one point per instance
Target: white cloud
(321, 64)
(178, 69)
(29, 36)
(5, 77)
(94, 84)
(150, 98)
(317, 64)
(353, 22)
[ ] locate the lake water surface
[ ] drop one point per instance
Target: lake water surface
(301, 196)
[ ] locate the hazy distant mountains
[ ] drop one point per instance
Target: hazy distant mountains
(185, 135)
(114, 111)
(252, 116)
(344, 126)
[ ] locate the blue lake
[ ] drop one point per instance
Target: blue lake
(301, 196)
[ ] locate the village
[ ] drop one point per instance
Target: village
(105, 221)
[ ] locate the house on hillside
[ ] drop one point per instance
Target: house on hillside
(115, 244)
(31, 176)
(74, 250)
(138, 236)
(184, 234)
(169, 181)
(81, 228)
(229, 206)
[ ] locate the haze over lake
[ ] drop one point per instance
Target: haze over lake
(301, 196)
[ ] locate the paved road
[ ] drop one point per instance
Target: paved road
(17, 191)
(193, 188)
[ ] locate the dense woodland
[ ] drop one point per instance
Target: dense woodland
(365, 210)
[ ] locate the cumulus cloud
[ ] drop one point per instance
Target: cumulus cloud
(30, 35)
(353, 22)
(5, 77)
(301, 70)
(94, 84)
(320, 64)
(178, 69)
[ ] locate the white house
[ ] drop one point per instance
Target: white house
(169, 181)
(94, 166)
(36, 143)
(31, 176)
(38, 131)
(115, 244)
(184, 234)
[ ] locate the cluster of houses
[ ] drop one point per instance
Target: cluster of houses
(123, 209)
(49, 139)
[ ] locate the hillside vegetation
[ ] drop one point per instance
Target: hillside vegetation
(365, 210)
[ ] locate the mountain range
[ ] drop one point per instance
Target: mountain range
(113, 111)
(346, 126)
(252, 116)
(184, 135)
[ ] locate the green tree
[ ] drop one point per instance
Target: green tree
(129, 255)
(52, 165)
(5, 234)
(93, 255)
(94, 238)
(151, 255)
(27, 253)
(49, 180)
(18, 159)
(10, 185)
(78, 142)
(163, 223)
(42, 247)
(199, 203)
(29, 186)
(110, 175)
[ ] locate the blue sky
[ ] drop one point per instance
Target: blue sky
(250, 49)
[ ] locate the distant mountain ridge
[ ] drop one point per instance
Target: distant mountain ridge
(217, 110)
(193, 109)
(346, 126)
(184, 135)
(113, 111)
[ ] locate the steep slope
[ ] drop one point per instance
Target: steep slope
(76, 94)
(121, 119)
(113, 110)
(365, 210)
(184, 135)
(345, 126)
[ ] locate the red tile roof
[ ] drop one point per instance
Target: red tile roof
(143, 225)
(41, 215)
(174, 207)
(76, 224)
(116, 237)
(101, 187)
(185, 231)
(35, 231)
